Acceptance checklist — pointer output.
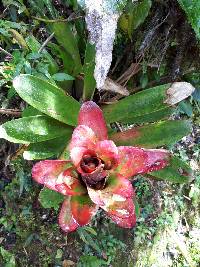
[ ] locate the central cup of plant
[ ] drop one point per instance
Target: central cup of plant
(97, 174)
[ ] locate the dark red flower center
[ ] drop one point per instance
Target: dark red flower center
(92, 171)
(89, 163)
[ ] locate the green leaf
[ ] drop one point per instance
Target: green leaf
(135, 15)
(66, 39)
(46, 149)
(90, 230)
(50, 6)
(177, 171)
(159, 115)
(30, 111)
(50, 199)
(33, 129)
(192, 10)
(47, 98)
(59, 52)
(88, 239)
(163, 133)
(137, 105)
(60, 76)
(196, 95)
(137, 207)
(186, 108)
(89, 65)
(91, 261)
(34, 46)
(8, 258)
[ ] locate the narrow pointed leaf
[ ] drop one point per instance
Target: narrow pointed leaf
(66, 39)
(33, 129)
(47, 149)
(65, 219)
(89, 65)
(153, 135)
(147, 102)
(83, 209)
(47, 98)
(178, 172)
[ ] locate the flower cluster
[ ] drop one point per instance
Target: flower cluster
(97, 174)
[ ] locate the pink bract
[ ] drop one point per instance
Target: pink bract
(98, 173)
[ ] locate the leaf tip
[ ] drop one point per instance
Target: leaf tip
(178, 91)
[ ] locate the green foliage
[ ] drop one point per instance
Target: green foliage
(137, 105)
(30, 111)
(62, 77)
(186, 108)
(194, 193)
(159, 115)
(59, 63)
(192, 10)
(46, 149)
(47, 98)
(90, 261)
(50, 199)
(89, 65)
(87, 238)
(178, 171)
(61, 30)
(9, 259)
(35, 47)
(134, 16)
(163, 133)
(101, 243)
(34, 129)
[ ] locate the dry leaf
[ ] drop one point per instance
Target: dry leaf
(67, 263)
(178, 92)
(112, 86)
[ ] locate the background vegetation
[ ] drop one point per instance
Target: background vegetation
(157, 42)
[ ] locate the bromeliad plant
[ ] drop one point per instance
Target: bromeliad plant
(96, 173)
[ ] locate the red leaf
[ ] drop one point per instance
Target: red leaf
(66, 220)
(137, 160)
(116, 188)
(120, 208)
(124, 222)
(83, 209)
(46, 172)
(92, 116)
(56, 175)
(83, 139)
(69, 184)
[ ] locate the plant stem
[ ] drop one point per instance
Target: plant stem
(46, 42)
(5, 52)
(57, 20)
(13, 112)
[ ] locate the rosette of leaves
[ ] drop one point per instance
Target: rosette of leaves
(47, 124)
